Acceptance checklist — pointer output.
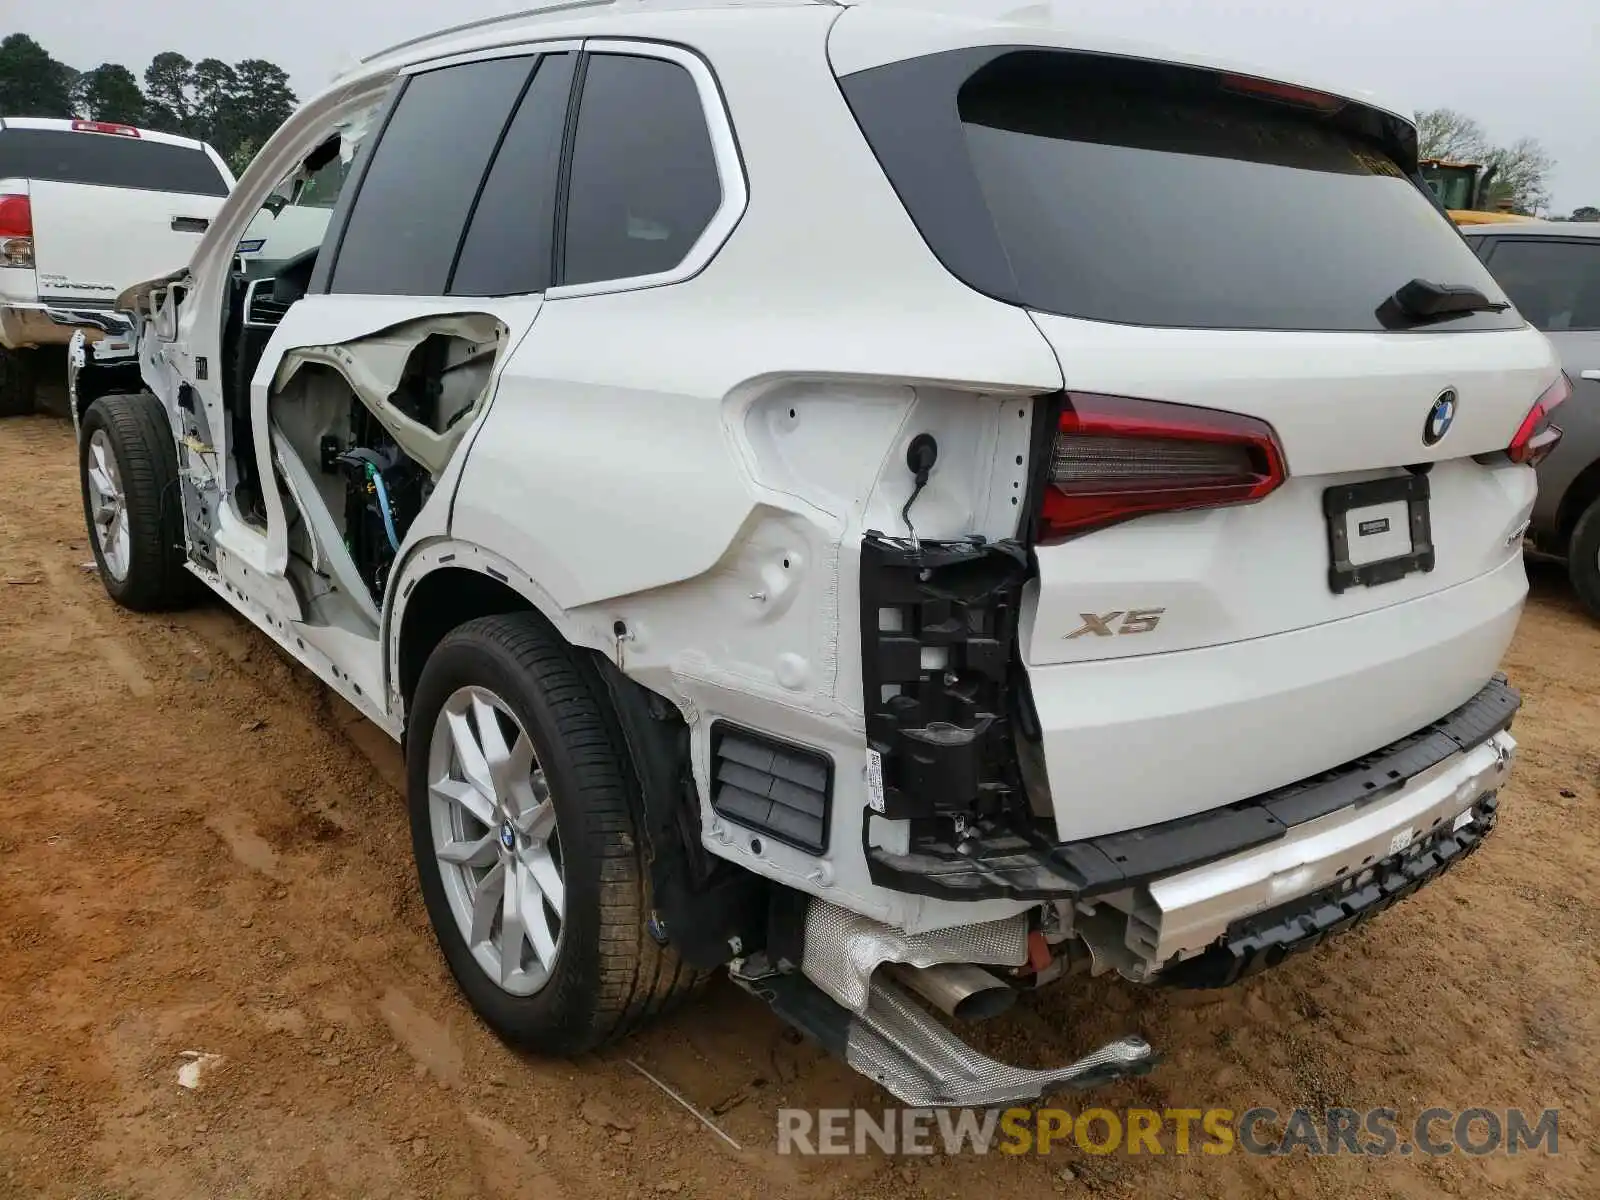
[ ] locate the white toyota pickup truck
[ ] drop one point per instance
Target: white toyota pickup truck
(87, 208)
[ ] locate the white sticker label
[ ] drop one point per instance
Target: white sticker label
(1401, 840)
(875, 781)
(1464, 819)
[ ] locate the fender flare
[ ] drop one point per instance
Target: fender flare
(443, 552)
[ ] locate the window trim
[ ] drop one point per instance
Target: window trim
(333, 237)
(1503, 239)
(724, 148)
(516, 50)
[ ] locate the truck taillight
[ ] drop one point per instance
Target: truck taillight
(16, 232)
(16, 217)
(1536, 436)
(1115, 458)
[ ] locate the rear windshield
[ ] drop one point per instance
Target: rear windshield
(108, 160)
(1121, 191)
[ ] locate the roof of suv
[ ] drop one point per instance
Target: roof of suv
(1559, 229)
(903, 29)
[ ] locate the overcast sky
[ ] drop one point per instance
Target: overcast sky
(1522, 67)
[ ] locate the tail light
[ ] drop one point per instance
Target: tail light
(16, 232)
(1536, 436)
(112, 127)
(1115, 458)
(1249, 85)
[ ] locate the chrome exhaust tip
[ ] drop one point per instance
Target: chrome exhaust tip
(958, 990)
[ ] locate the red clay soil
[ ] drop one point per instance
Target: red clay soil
(202, 851)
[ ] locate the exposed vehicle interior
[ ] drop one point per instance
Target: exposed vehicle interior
(359, 432)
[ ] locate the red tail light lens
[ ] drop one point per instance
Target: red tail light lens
(1536, 436)
(1115, 458)
(16, 217)
(16, 232)
(111, 127)
(1249, 85)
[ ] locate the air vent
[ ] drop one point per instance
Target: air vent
(259, 306)
(771, 787)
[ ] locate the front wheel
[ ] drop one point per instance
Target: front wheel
(521, 801)
(128, 470)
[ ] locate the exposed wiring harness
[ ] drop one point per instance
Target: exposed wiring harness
(375, 478)
(372, 471)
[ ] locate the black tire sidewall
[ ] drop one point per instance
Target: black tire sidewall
(1583, 559)
(140, 434)
(560, 1018)
(129, 589)
(18, 382)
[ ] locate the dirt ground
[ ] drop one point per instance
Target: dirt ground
(201, 851)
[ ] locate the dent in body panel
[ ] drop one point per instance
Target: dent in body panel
(766, 633)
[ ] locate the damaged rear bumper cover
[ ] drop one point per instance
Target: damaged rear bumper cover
(1024, 864)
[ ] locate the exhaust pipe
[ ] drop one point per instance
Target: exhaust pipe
(958, 990)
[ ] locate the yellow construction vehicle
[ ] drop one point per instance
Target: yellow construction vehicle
(1463, 189)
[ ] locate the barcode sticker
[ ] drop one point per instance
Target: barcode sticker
(875, 781)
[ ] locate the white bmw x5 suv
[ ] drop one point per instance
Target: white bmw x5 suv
(893, 504)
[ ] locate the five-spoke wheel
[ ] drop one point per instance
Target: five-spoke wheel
(496, 839)
(524, 822)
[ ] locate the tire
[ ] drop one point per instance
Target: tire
(18, 382)
(132, 433)
(1583, 559)
(608, 974)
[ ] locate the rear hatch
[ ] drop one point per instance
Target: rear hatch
(1258, 436)
(111, 205)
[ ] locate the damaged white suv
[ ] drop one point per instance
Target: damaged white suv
(813, 496)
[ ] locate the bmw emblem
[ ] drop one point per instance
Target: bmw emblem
(508, 836)
(1440, 417)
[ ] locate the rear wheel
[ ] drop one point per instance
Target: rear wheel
(522, 801)
(18, 382)
(1583, 559)
(128, 469)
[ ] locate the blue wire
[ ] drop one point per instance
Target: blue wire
(383, 506)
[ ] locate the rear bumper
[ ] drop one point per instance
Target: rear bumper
(1453, 760)
(30, 325)
(1219, 922)
(1258, 940)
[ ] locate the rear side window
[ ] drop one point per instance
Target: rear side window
(644, 182)
(416, 194)
(108, 160)
(1147, 195)
(507, 249)
(1554, 284)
